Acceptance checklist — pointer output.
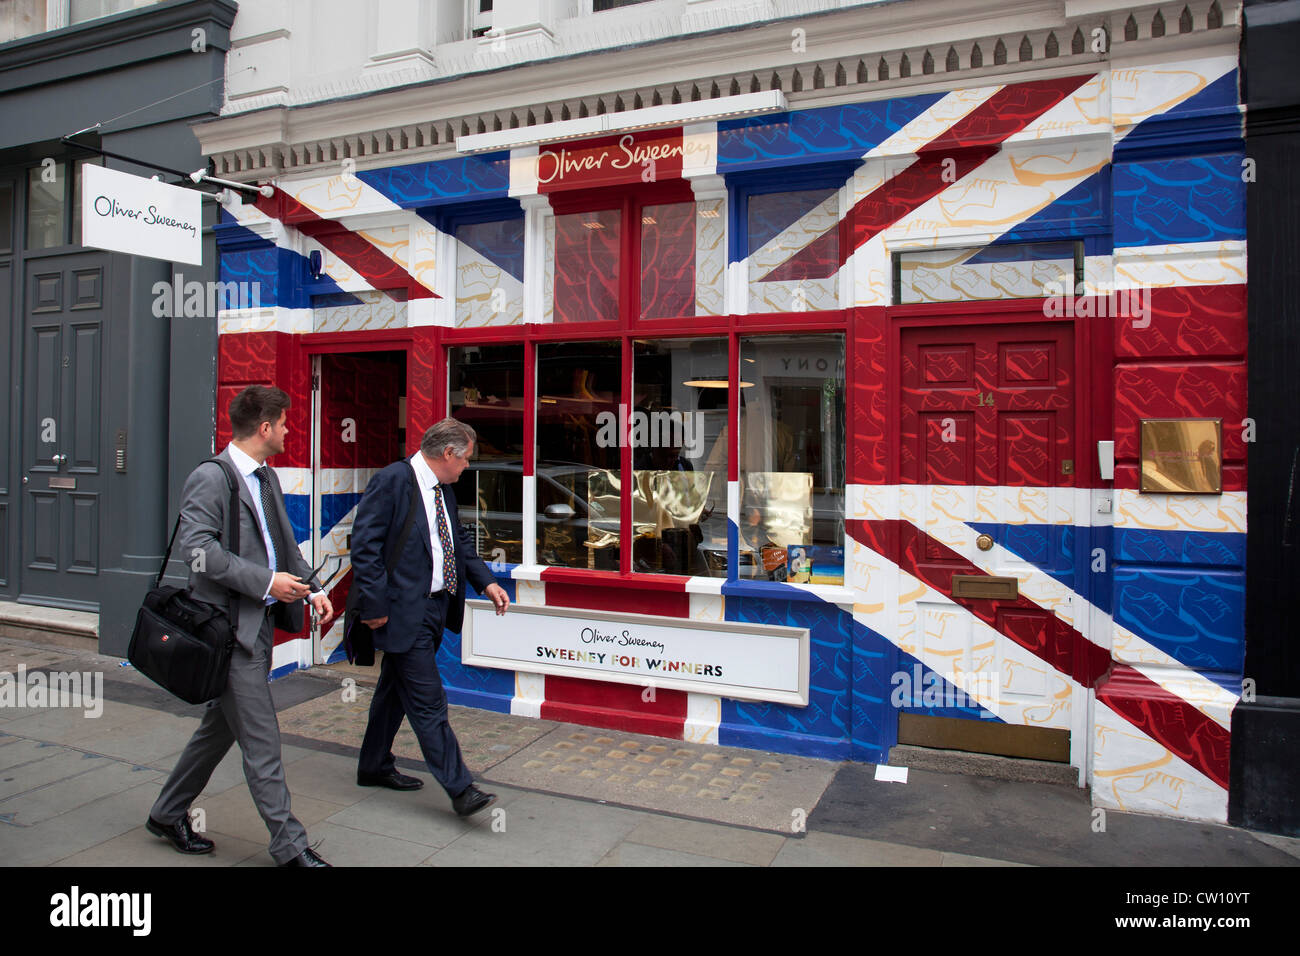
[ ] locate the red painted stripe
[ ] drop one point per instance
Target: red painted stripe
(1063, 647)
(659, 595)
(1161, 715)
(1183, 729)
(970, 142)
(368, 262)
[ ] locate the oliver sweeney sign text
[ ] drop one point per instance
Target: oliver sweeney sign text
(748, 661)
(145, 218)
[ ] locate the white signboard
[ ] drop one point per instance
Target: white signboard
(132, 214)
(746, 661)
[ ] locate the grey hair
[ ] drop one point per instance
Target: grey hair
(447, 433)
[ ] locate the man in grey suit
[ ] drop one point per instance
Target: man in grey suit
(266, 577)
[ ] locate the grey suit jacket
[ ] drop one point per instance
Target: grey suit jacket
(216, 572)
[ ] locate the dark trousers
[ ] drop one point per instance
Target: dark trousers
(246, 714)
(410, 686)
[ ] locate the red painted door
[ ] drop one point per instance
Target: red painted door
(988, 448)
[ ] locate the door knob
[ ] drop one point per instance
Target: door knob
(984, 542)
(59, 459)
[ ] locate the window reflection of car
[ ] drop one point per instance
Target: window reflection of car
(491, 508)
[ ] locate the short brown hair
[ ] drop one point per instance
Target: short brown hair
(254, 405)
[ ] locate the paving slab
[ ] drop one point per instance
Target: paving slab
(344, 846)
(726, 784)
(233, 813)
(828, 849)
(1038, 824)
(712, 840)
(139, 847)
(636, 854)
(421, 816)
(89, 825)
(57, 764)
(542, 830)
(105, 776)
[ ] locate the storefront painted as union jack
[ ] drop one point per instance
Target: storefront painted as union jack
(964, 292)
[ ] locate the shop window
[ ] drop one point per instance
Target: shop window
(47, 205)
(792, 447)
(489, 272)
(1013, 270)
(679, 456)
(793, 243)
(486, 384)
(578, 475)
(587, 252)
(668, 260)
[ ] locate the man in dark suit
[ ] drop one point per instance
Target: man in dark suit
(264, 583)
(409, 609)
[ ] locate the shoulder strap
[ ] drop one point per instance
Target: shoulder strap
(417, 501)
(232, 517)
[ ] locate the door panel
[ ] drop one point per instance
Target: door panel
(987, 446)
(61, 424)
(359, 432)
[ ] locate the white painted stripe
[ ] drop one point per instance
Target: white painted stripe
(1134, 773)
(1180, 264)
(530, 694)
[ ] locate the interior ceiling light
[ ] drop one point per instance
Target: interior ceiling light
(714, 383)
(671, 114)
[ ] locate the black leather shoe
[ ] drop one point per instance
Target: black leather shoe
(307, 857)
(472, 801)
(181, 835)
(393, 781)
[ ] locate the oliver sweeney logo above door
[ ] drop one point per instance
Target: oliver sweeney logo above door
(140, 216)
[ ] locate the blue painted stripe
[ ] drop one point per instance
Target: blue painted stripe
(247, 257)
(1163, 201)
(816, 135)
(461, 179)
(1197, 617)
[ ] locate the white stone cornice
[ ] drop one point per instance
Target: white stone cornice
(846, 57)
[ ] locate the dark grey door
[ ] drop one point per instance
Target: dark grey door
(61, 428)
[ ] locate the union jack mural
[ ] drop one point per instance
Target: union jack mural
(1126, 630)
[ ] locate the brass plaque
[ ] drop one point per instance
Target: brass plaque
(69, 484)
(983, 586)
(1182, 455)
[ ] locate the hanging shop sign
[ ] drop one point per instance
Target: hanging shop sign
(745, 661)
(140, 216)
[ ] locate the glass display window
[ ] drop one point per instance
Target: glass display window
(1006, 270)
(679, 461)
(587, 260)
(792, 454)
(578, 472)
(668, 260)
(486, 392)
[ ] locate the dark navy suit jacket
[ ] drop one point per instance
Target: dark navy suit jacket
(401, 597)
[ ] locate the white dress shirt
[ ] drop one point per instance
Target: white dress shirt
(428, 480)
(246, 466)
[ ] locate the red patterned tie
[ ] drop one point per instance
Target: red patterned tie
(444, 538)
